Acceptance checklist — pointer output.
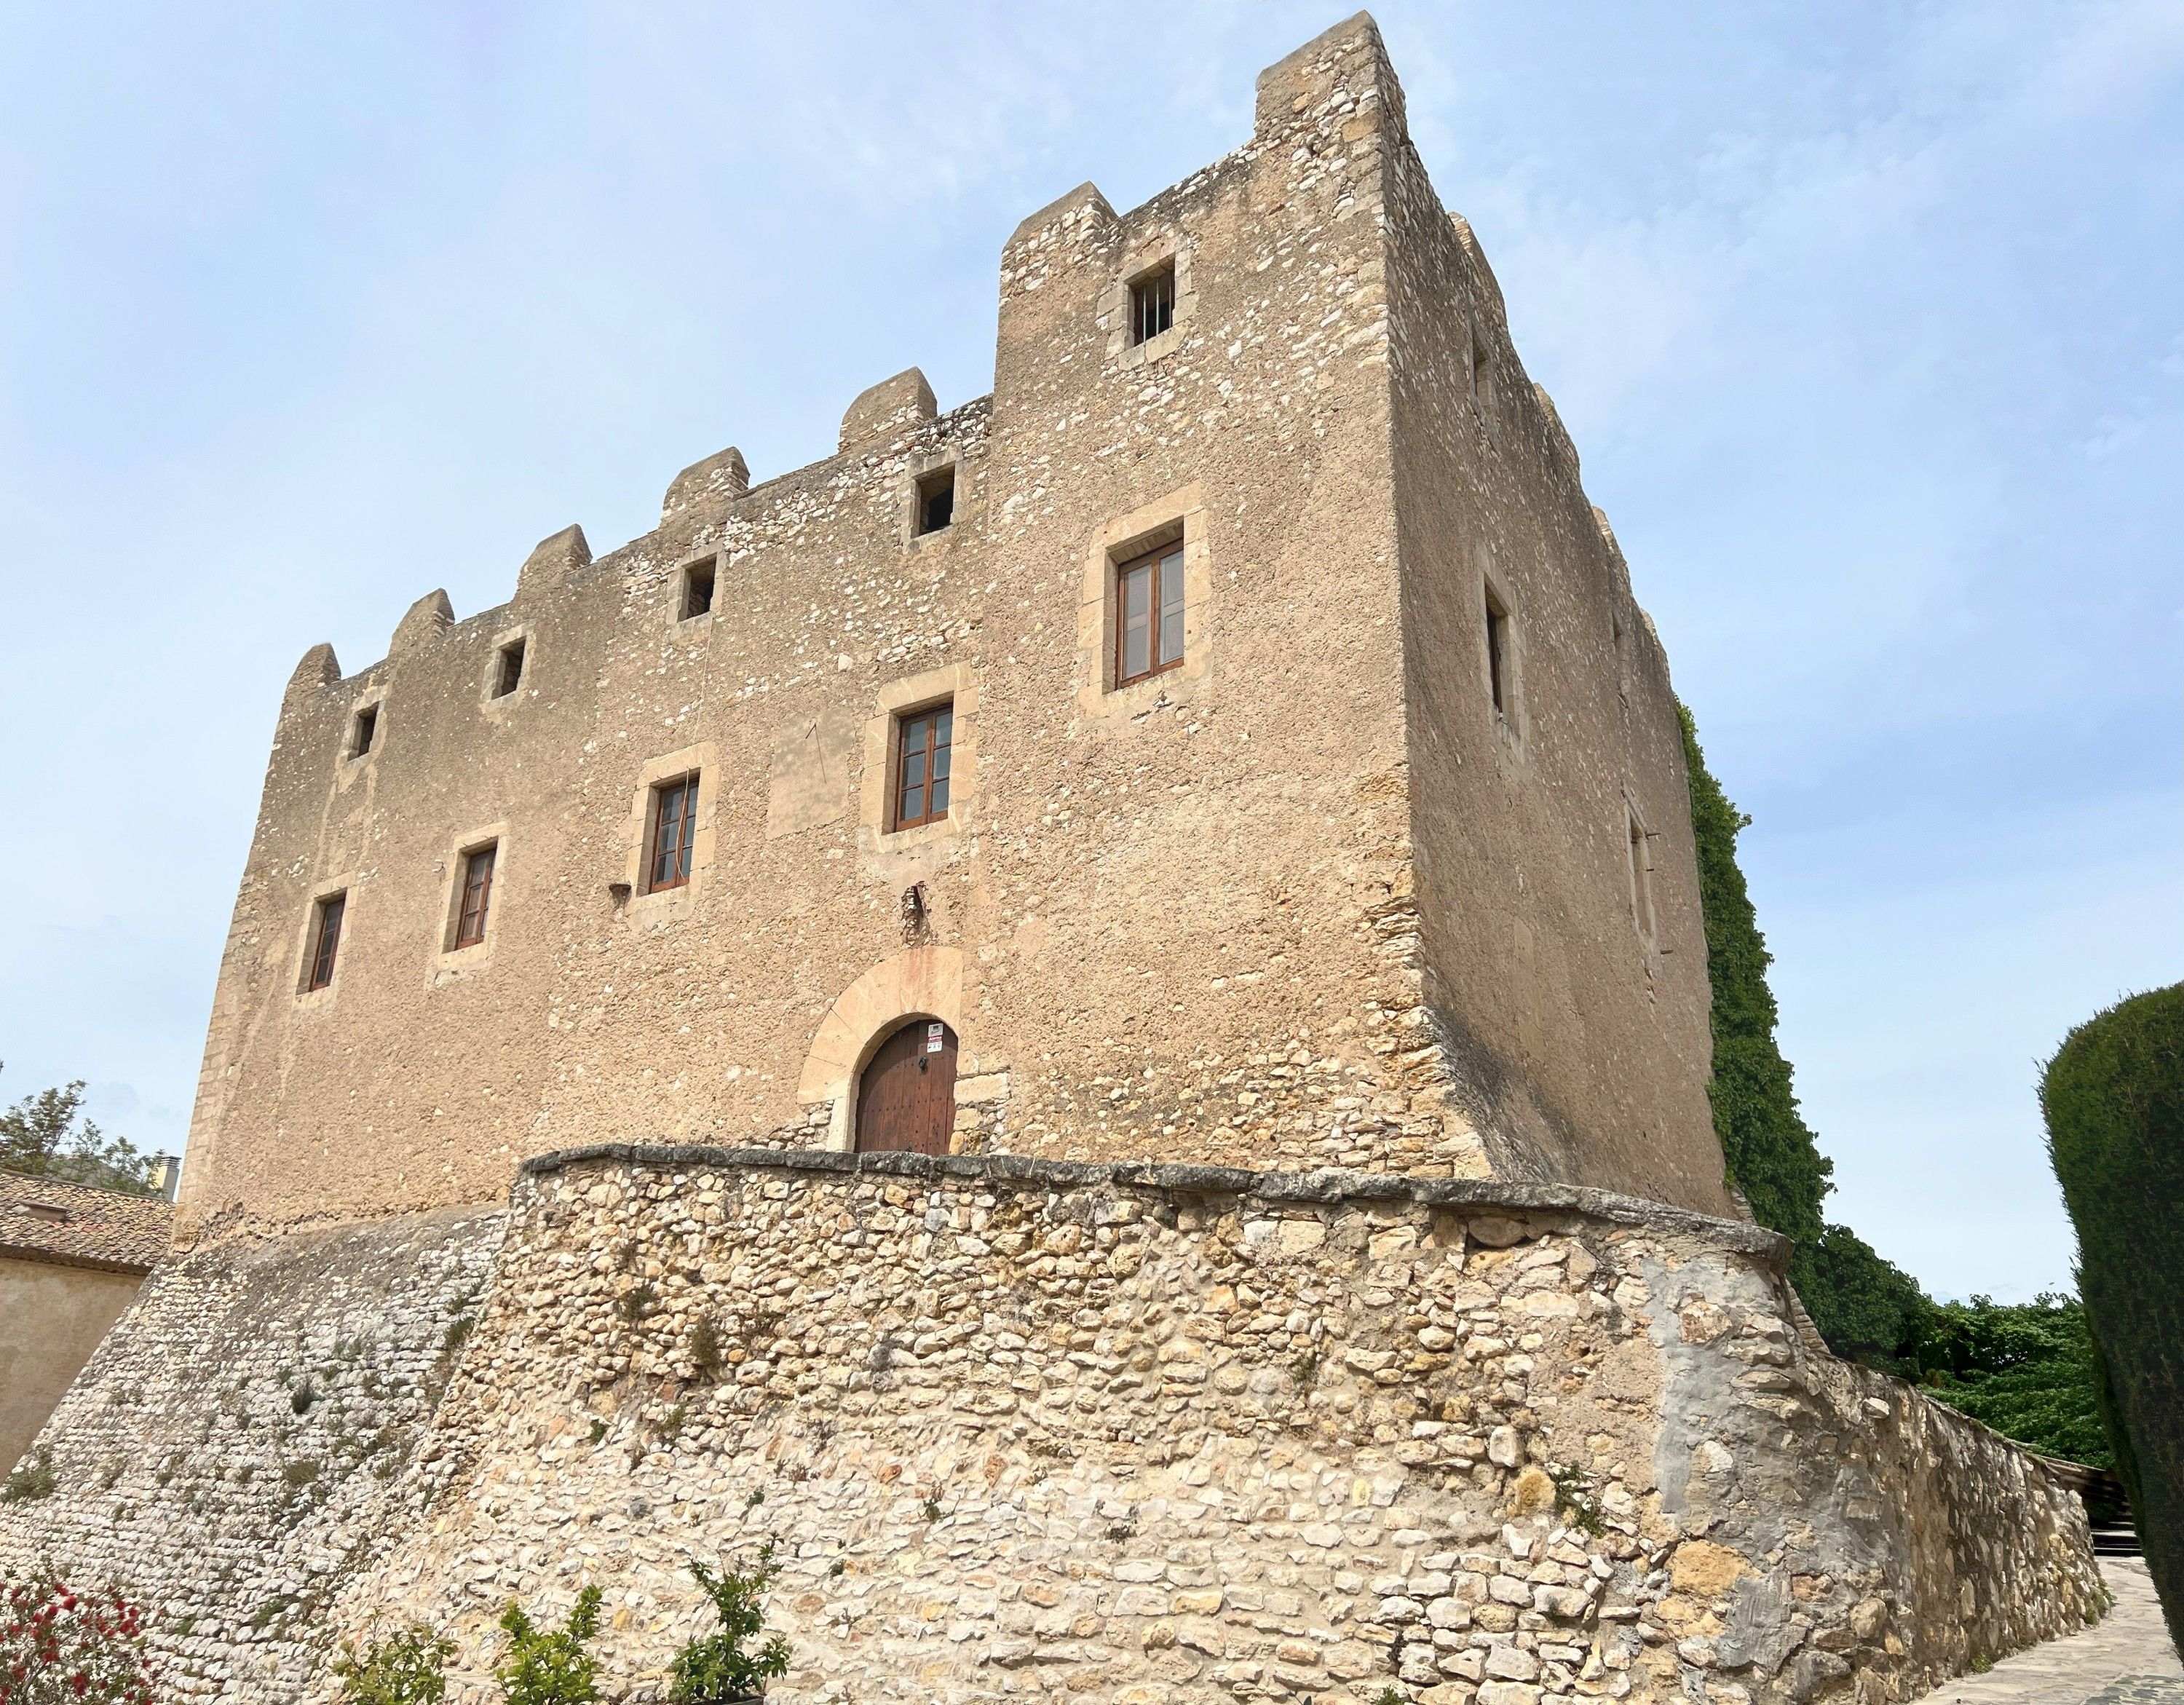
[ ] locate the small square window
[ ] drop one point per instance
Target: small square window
(922, 755)
(936, 501)
(475, 899)
(674, 822)
(364, 731)
(326, 940)
(1149, 614)
(1152, 304)
(1500, 682)
(508, 673)
(698, 589)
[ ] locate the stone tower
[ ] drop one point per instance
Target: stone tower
(1377, 857)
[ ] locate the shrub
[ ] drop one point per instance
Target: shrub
(407, 1667)
(720, 1667)
(544, 1667)
(31, 1478)
(2113, 1097)
(59, 1647)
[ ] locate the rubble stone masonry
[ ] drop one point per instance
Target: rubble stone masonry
(1146, 1434)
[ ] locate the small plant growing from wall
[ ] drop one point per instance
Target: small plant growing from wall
(708, 1356)
(720, 1667)
(62, 1646)
(31, 1478)
(407, 1667)
(550, 1666)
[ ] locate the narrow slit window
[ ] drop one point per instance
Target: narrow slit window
(698, 589)
(1498, 682)
(1152, 304)
(1641, 879)
(326, 940)
(923, 763)
(364, 731)
(508, 675)
(936, 501)
(1148, 614)
(476, 896)
(674, 819)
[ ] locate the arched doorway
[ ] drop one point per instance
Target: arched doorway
(906, 1093)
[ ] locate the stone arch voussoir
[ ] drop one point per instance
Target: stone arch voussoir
(927, 981)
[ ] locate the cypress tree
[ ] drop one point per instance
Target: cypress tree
(1864, 1307)
(2113, 1098)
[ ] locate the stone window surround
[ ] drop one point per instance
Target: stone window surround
(1181, 512)
(1509, 716)
(347, 885)
(1147, 256)
(501, 703)
(917, 470)
(352, 759)
(954, 682)
(1645, 903)
(662, 904)
(449, 961)
(918, 982)
(678, 589)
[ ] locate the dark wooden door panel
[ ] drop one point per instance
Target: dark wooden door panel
(906, 1097)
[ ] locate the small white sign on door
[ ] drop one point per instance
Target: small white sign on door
(932, 1033)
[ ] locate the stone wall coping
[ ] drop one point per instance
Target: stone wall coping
(1324, 1186)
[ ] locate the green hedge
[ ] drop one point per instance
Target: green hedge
(2113, 1097)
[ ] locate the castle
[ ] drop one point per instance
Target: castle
(1092, 1014)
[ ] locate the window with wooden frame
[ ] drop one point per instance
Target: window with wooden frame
(674, 823)
(922, 740)
(936, 501)
(697, 589)
(1152, 303)
(508, 672)
(1149, 614)
(326, 940)
(363, 731)
(1501, 683)
(476, 898)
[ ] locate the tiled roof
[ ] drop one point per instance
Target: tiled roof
(77, 1225)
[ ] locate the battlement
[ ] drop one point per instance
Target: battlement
(1231, 740)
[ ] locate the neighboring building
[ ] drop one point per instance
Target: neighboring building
(1307, 789)
(71, 1258)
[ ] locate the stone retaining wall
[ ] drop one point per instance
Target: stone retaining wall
(1150, 1433)
(241, 1444)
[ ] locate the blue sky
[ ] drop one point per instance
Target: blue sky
(1868, 321)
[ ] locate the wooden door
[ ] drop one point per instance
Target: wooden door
(906, 1097)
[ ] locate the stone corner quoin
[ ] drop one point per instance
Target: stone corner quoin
(1223, 1203)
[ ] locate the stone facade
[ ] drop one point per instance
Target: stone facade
(1164, 1433)
(1309, 898)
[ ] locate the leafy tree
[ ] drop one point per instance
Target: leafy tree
(407, 1667)
(550, 1667)
(1866, 1307)
(45, 1136)
(2028, 1370)
(716, 1668)
(2113, 1097)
